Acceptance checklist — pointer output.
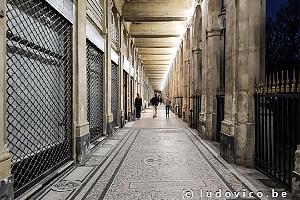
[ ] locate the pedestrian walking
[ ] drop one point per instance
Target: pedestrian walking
(167, 102)
(154, 102)
(138, 106)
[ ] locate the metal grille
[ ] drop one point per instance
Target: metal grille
(96, 9)
(38, 90)
(277, 113)
(114, 93)
(196, 109)
(95, 90)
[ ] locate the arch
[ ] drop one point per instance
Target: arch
(197, 28)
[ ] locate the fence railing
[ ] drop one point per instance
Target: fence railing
(195, 110)
(277, 127)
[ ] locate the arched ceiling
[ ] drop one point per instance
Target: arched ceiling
(157, 27)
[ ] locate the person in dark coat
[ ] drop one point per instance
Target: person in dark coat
(138, 106)
(154, 102)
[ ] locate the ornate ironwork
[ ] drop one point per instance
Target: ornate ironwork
(114, 93)
(39, 90)
(114, 31)
(277, 111)
(95, 90)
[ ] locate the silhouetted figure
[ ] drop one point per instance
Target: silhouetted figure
(138, 106)
(167, 104)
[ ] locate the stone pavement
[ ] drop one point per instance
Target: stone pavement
(152, 159)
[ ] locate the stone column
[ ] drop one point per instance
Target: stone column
(185, 78)
(186, 75)
(107, 61)
(121, 67)
(82, 135)
(6, 179)
(208, 117)
(242, 67)
(197, 71)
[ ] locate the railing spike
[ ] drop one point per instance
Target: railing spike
(273, 83)
(277, 83)
(255, 86)
(294, 82)
(287, 87)
(282, 89)
(262, 87)
(270, 83)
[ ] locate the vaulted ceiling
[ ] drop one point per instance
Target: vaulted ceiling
(157, 27)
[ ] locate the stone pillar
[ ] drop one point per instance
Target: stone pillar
(107, 61)
(296, 176)
(208, 117)
(197, 71)
(6, 179)
(186, 76)
(121, 67)
(82, 135)
(197, 75)
(242, 67)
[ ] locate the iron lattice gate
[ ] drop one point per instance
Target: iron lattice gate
(277, 114)
(196, 109)
(114, 93)
(39, 90)
(95, 90)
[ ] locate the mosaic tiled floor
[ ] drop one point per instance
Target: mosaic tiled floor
(165, 162)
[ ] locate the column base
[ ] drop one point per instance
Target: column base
(7, 188)
(129, 117)
(295, 185)
(109, 128)
(227, 147)
(202, 125)
(109, 124)
(122, 124)
(207, 125)
(227, 141)
(82, 143)
(83, 148)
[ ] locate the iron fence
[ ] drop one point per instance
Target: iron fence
(277, 114)
(95, 90)
(220, 114)
(39, 90)
(114, 93)
(196, 109)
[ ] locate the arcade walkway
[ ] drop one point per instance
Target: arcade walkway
(150, 159)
